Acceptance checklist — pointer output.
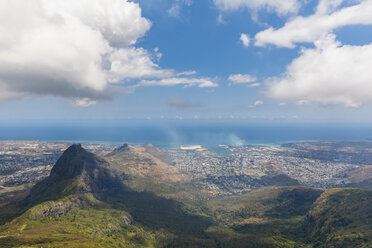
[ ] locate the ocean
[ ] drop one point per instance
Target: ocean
(173, 134)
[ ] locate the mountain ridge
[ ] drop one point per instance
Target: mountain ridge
(84, 202)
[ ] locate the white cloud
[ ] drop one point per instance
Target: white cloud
(253, 85)
(245, 39)
(131, 63)
(186, 82)
(157, 54)
(258, 102)
(84, 102)
(330, 73)
(220, 19)
(186, 73)
(311, 28)
(175, 10)
(241, 79)
(279, 6)
(72, 49)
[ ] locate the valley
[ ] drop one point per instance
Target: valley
(143, 196)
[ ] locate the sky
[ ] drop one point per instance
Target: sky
(108, 61)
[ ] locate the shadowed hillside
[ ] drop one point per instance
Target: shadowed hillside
(82, 190)
(341, 218)
(77, 172)
(88, 201)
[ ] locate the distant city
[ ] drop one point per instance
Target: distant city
(316, 164)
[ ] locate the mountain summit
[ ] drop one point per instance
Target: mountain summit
(122, 149)
(77, 171)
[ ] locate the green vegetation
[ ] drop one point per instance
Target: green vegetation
(341, 218)
(273, 215)
(145, 220)
(83, 204)
(262, 204)
(91, 226)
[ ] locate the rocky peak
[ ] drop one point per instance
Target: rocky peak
(121, 149)
(74, 161)
(76, 171)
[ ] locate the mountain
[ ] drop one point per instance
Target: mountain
(83, 203)
(144, 162)
(361, 177)
(120, 149)
(145, 168)
(69, 208)
(76, 172)
(131, 198)
(341, 218)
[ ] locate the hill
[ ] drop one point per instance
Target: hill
(122, 201)
(83, 204)
(361, 177)
(76, 172)
(341, 218)
(68, 208)
(146, 168)
(142, 162)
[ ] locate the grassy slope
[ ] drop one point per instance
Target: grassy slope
(99, 224)
(67, 215)
(341, 218)
(267, 217)
(95, 225)
(273, 214)
(259, 205)
(159, 222)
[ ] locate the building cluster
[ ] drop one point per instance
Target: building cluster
(246, 165)
(27, 161)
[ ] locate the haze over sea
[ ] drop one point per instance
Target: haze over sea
(175, 133)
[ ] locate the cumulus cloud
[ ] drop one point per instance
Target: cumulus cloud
(279, 6)
(186, 82)
(73, 49)
(308, 29)
(330, 73)
(241, 79)
(244, 38)
(182, 103)
(131, 63)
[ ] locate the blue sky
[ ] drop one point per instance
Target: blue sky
(306, 61)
